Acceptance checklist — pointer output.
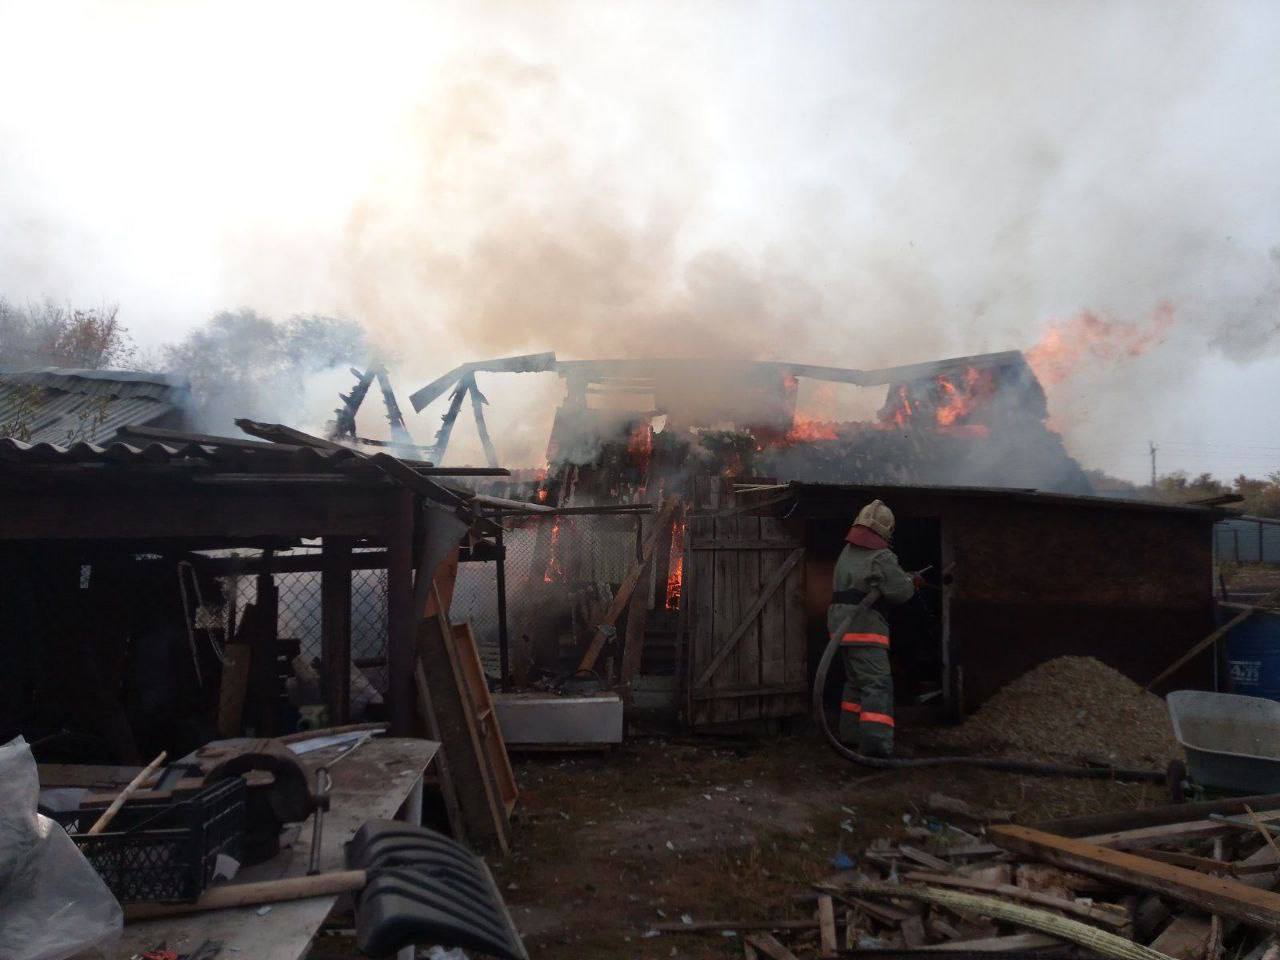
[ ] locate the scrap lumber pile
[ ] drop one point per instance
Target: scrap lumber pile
(1187, 881)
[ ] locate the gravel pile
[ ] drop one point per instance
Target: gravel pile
(1074, 709)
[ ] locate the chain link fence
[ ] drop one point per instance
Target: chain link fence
(561, 571)
(1247, 540)
(299, 615)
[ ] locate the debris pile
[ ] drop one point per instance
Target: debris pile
(1186, 881)
(1074, 709)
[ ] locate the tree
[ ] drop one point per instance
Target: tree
(54, 336)
(242, 364)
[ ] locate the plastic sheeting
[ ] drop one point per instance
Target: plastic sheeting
(53, 904)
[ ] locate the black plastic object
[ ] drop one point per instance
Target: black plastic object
(163, 850)
(425, 888)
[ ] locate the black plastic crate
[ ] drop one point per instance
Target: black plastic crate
(163, 850)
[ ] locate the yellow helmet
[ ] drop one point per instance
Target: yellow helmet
(875, 516)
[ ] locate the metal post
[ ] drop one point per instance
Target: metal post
(504, 648)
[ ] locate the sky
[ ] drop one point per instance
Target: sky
(855, 183)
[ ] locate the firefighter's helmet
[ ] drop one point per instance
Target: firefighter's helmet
(875, 516)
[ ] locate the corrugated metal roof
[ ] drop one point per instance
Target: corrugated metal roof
(229, 456)
(65, 406)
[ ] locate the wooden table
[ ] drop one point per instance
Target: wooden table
(381, 779)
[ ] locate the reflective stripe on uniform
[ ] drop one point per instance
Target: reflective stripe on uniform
(869, 717)
(879, 639)
(848, 707)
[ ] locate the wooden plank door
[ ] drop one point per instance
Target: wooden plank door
(744, 586)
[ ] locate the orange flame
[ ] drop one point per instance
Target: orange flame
(959, 401)
(903, 412)
(1087, 338)
(554, 571)
(675, 576)
(805, 430)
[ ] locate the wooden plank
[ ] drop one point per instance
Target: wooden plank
(796, 663)
(749, 653)
(722, 670)
(483, 810)
(1202, 645)
(1113, 919)
(335, 627)
(773, 628)
(234, 686)
(263, 695)
(1185, 938)
(927, 860)
(1113, 822)
(700, 585)
(401, 625)
(637, 618)
(768, 944)
(715, 926)
(1165, 833)
(830, 946)
(778, 690)
(726, 646)
(1012, 942)
(490, 732)
(761, 543)
(628, 585)
(448, 789)
(1220, 895)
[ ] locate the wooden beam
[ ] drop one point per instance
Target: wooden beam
(1112, 822)
(335, 626)
(1154, 836)
(1204, 644)
(478, 402)
(184, 511)
(1113, 919)
(1185, 938)
(400, 620)
(628, 585)
(637, 618)
(482, 807)
(776, 580)
(1219, 895)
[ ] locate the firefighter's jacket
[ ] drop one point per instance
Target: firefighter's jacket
(857, 571)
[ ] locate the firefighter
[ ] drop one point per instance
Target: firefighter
(866, 708)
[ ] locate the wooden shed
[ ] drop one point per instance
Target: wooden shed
(91, 536)
(1030, 576)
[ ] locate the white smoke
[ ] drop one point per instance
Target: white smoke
(855, 184)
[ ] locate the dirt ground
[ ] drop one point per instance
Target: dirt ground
(608, 845)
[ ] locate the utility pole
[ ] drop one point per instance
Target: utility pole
(1152, 445)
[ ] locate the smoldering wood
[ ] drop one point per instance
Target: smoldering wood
(395, 419)
(478, 402)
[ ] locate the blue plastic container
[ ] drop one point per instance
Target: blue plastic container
(1253, 656)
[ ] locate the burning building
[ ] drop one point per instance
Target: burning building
(629, 429)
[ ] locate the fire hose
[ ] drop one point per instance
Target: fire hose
(1002, 764)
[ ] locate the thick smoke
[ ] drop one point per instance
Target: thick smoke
(245, 365)
(854, 184)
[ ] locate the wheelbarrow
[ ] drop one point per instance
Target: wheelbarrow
(1232, 742)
